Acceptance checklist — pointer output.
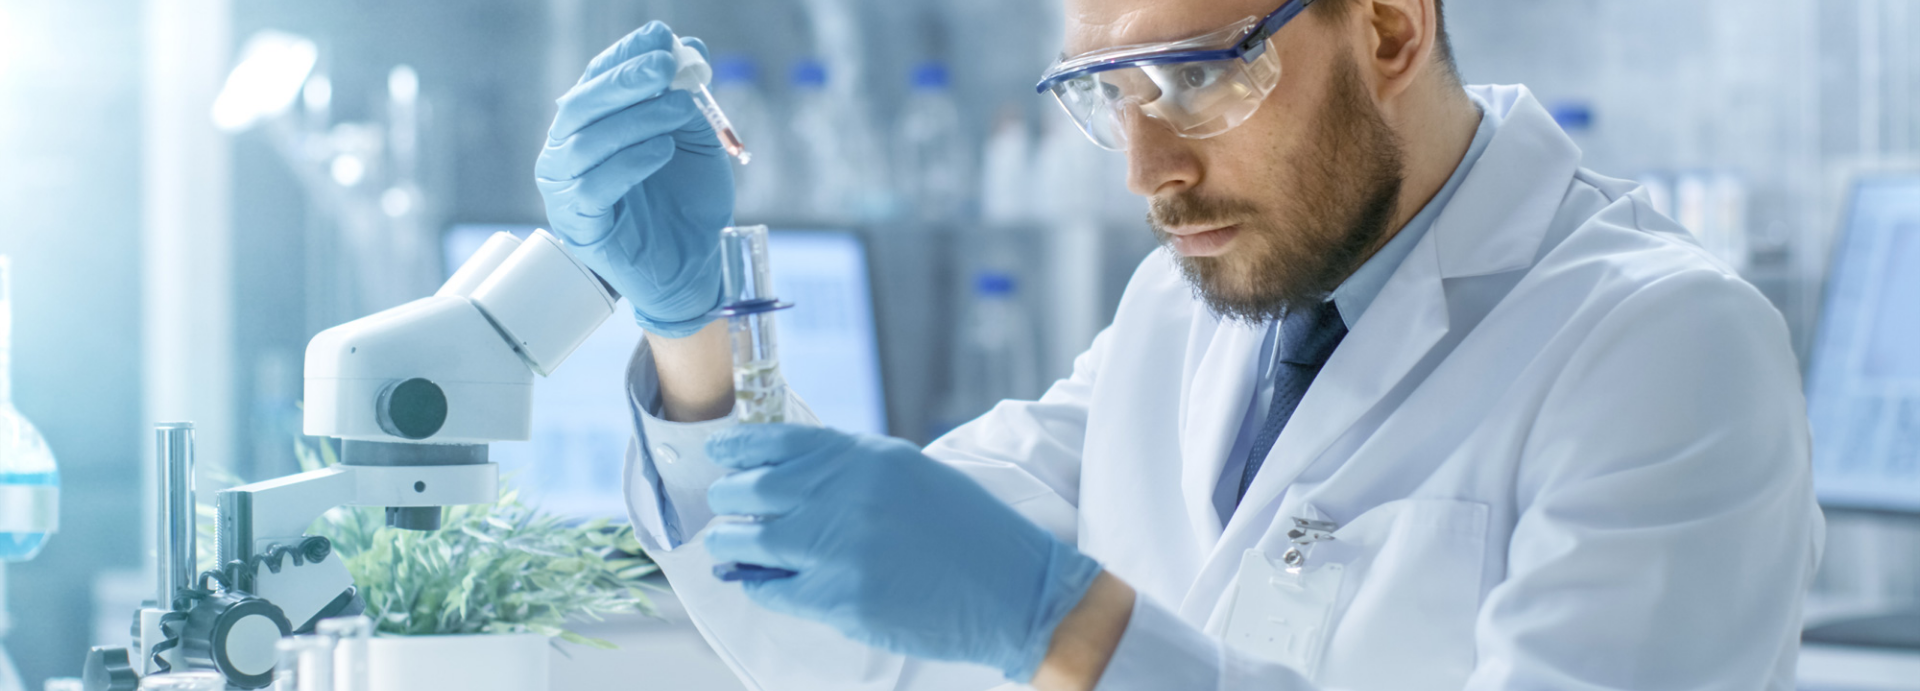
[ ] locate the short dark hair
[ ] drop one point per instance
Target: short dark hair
(1334, 9)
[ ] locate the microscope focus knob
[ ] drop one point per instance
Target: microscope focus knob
(412, 409)
(234, 633)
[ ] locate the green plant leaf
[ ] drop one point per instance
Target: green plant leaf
(497, 568)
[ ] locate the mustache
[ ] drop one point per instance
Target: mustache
(1189, 209)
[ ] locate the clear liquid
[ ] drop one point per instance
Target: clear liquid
(759, 392)
(24, 546)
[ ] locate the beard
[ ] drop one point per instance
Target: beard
(1345, 187)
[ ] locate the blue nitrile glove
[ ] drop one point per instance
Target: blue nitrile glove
(637, 185)
(894, 549)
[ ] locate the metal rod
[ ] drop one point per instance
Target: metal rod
(174, 543)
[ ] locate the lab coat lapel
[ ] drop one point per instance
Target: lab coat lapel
(1223, 364)
(1494, 223)
(1399, 328)
(1402, 325)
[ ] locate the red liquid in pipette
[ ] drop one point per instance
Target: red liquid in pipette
(729, 140)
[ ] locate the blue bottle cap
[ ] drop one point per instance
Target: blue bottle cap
(930, 75)
(808, 73)
(993, 284)
(734, 68)
(1572, 116)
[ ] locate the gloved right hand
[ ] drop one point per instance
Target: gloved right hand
(636, 183)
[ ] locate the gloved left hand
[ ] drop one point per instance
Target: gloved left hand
(892, 548)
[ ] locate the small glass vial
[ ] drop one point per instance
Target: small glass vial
(305, 664)
(350, 636)
(193, 680)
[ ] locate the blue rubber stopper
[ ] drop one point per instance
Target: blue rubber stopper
(809, 74)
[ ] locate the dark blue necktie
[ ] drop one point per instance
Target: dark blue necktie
(1307, 339)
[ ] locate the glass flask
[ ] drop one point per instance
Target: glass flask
(29, 479)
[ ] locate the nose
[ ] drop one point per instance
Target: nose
(1159, 162)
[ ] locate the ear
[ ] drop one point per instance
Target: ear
(1403, 34)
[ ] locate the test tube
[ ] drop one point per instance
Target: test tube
(760, 393)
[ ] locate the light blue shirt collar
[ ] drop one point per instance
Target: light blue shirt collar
(1357, 293)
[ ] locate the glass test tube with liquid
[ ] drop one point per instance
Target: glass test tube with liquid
(760, 392)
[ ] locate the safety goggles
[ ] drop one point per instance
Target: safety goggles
(1199, 87)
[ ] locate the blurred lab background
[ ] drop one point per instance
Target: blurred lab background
(190, 189)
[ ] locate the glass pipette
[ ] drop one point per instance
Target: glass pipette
(729, 139)
(691, 75)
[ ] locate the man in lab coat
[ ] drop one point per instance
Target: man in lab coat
(1408, 400)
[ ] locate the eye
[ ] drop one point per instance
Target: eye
(1198, 76)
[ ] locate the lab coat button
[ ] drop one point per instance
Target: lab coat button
(665, 454)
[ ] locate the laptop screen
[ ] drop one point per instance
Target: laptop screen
(581, 423)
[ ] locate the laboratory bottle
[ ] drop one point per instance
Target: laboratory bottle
(932, 159)
(995, 354)
(29, 478)
(1006, 173)
(838, 175)
(756, 185)
(821, 179)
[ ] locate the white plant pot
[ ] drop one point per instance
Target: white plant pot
(482, 662)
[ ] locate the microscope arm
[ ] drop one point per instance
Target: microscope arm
(280, 508)
(256, 517)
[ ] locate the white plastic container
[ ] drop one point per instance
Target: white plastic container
(482, 662)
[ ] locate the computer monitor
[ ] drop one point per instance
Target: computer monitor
(1863, 388)
(581, 422)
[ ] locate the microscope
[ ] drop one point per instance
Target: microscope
(414, 394)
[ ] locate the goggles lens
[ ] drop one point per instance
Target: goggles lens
(1196, 99)
(1198, 87)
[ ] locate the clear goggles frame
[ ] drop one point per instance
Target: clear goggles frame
(1198, 87)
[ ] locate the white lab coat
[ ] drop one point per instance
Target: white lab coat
(1567, 449)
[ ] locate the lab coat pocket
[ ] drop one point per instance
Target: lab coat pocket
(1411, 596)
